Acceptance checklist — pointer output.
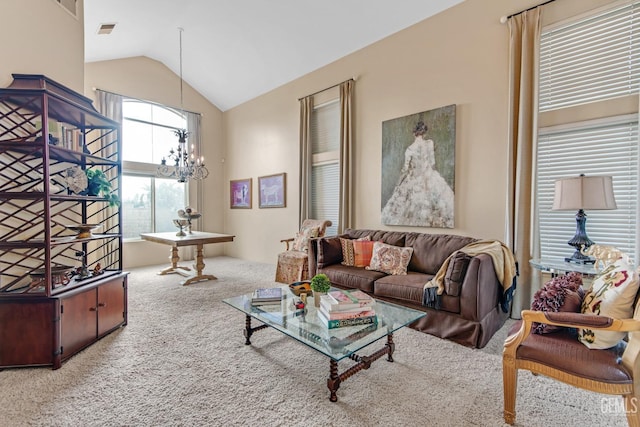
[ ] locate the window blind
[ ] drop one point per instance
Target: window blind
(324, 194)
(593, 59)
(593, 149)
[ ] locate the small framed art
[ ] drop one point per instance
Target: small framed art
(273, 191)
(240, 194)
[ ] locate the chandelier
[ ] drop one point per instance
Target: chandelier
(187, 164)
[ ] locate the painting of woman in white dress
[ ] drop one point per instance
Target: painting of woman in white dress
(418, 169)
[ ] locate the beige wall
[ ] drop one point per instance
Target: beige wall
(40, 37)
(457, 57)
(144, 78)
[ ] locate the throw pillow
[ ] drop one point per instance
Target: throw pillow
(612, 294)
(390, 259)
(456, 270)
(562, 293)
(362, 251)
(301, 239)
(348, 256)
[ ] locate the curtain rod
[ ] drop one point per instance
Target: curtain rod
(503, 19)
(145, 100)
(330, 87)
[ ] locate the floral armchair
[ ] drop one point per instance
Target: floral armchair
(293, 264)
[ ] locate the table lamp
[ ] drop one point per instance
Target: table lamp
(583, 192)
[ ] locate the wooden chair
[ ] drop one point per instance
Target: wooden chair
(293, 264)
(561, 356)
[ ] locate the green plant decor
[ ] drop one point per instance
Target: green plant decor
(99, 185)
(320, 283)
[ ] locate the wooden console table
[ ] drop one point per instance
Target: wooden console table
(198, 238)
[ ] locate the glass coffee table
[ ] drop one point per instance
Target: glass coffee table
(337, 344)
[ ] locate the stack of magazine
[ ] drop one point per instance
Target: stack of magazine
(266, 296)
(341, 308)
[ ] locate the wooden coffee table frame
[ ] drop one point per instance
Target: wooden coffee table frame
(335, 378)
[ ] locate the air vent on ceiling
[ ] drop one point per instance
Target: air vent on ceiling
(106, 28)
(70, 6)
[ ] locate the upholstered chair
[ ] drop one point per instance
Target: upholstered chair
(293, 263)
(559, 355)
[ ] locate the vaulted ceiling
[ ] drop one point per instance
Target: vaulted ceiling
(235, 50)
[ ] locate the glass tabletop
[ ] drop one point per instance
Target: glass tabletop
(304, 325)
(561, 266)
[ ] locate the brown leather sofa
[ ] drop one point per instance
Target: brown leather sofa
(469, 311)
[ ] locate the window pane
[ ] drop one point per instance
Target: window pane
(138, 141)
(170, 198)
(167, 116)
(136, 206)
(136, 109)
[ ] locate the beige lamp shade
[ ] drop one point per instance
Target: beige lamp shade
(584, 192)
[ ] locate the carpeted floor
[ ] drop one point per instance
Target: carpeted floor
(182, 361)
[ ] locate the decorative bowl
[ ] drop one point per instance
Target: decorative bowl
(60, 276)
(83, 230)
(181, 224)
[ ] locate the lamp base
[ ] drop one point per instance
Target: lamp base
(580, 241)
(580, 260)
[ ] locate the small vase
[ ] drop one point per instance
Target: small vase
(316, 298)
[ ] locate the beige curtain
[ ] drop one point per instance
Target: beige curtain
(521, 227)
(345, 215)
(306, 108)
(110, 105)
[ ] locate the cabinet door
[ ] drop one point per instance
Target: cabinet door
(112, 298)
(27, 332)
(79, 322)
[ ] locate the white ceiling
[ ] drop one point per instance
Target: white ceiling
(235, 50)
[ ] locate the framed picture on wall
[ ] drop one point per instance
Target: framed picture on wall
(273, 191)
(240, 194)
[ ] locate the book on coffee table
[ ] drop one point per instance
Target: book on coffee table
(266, 296)
(340, 323)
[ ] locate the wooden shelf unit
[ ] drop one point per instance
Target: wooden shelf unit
(48, 132)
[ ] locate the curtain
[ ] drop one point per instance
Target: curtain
(306, 108)
(110, 105)
(345, 213)
(521, 222)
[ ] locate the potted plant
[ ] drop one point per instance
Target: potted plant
(320, 285)
(99, 185)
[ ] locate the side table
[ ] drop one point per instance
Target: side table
(558, 266)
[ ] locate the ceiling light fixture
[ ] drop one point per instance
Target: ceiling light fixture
(187, 164)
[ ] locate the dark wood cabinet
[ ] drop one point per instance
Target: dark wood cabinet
(61, 281)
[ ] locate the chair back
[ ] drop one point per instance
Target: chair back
(321, 224)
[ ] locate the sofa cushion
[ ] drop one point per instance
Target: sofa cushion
(431, 250)
(362, 252)
(456, 271)
(409, 288)
(348, 255)
(395, 238)
(351, 277)
(390, 259)
(329, 251)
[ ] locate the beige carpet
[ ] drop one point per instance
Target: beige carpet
(182, 361)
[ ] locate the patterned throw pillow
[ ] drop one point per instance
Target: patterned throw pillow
(612, 294)
(348, 256)
(390, 259)
(301, 239)
(362, 251)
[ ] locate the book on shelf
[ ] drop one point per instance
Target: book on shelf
(340, 323)
(341, 315)
(267, 296)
